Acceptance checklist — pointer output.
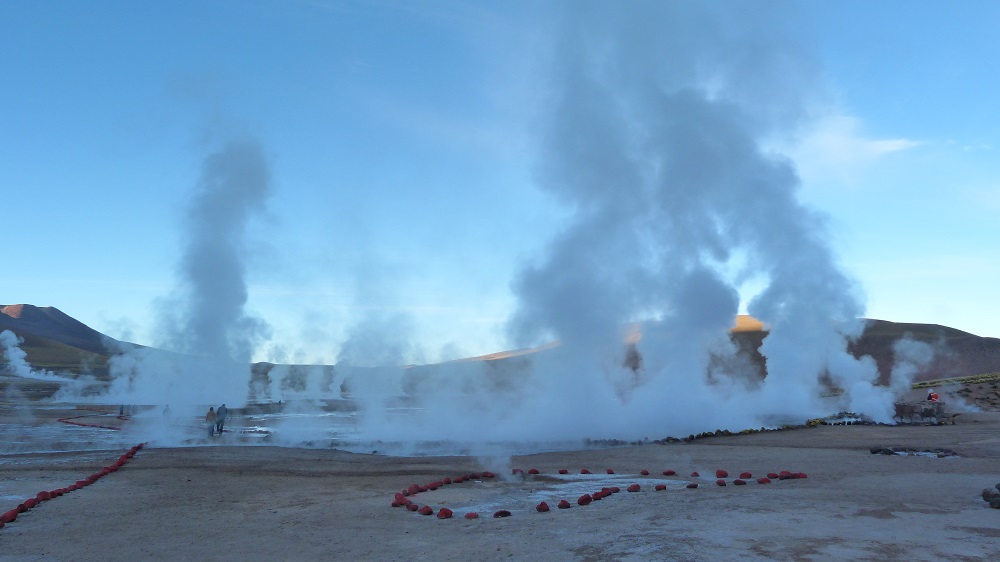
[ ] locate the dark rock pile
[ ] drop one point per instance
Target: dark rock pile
(907, 451)
(992, 497)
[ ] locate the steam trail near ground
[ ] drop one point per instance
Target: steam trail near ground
(17, 363)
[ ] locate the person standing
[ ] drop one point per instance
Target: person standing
(210, 419)
(220, 418)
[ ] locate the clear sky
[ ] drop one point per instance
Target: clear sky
(401, 138)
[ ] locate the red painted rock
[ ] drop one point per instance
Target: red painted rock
(445, 513)
(633, 488)
(563, 471)
(472, 515)
(644, 472)
(611, 471)
(669, 473)
(533, 471)
(660, 487)
(446, 481)
(585, 499)
(412, 507)
(746, 475)
(9, 516)
(30, 502)
(695, 474)
(692, 485)
(502, 513)
(585, 471)
(423, 489)
(414, 489)
(615, 489)
(563, 504)
(488, 475)
(396, 503)
(720, 482)
(763, 480)
(44, 496)
(542, 507)
(426, 510)
(21, 508)
(739, 482)
(721, 474)
(433, 485)
(801, 475)
(772, 475)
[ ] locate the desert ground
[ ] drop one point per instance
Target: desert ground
(227, 502)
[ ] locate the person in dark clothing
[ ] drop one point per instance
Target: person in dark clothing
(220, 418)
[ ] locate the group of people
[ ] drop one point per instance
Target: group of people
(216, 420)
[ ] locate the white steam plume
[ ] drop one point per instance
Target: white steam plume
(656, 139)
(205, 325)
(17, 362)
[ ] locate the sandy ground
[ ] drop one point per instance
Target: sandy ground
(225, 502)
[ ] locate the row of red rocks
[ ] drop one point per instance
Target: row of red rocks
(43, 496)
(403, 498)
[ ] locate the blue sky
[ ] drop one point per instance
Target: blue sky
(402, 139)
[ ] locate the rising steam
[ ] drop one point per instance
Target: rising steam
(657, 138)
(204, 324)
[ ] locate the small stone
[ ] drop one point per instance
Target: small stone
(746, 475)
(585, 499)
(563, 504)
(633, 488)
(472, 515)
(989, 494)
(585, 471)
(501, 513)
(692, 485)
(660, 487)
(426, 510)
(695, 474)
(669, 473)
(739, 482)
(542, 507)
(721, 474)
(720, 482)
(532, 471)
(563, 471)
(445, 513)
(644, 472)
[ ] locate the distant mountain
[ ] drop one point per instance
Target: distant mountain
(53, 324)
(54, 340)
(956, 353)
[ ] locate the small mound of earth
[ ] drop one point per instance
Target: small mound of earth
(911, 452)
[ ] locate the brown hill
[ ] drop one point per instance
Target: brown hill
(53, 324)
(55, 341)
